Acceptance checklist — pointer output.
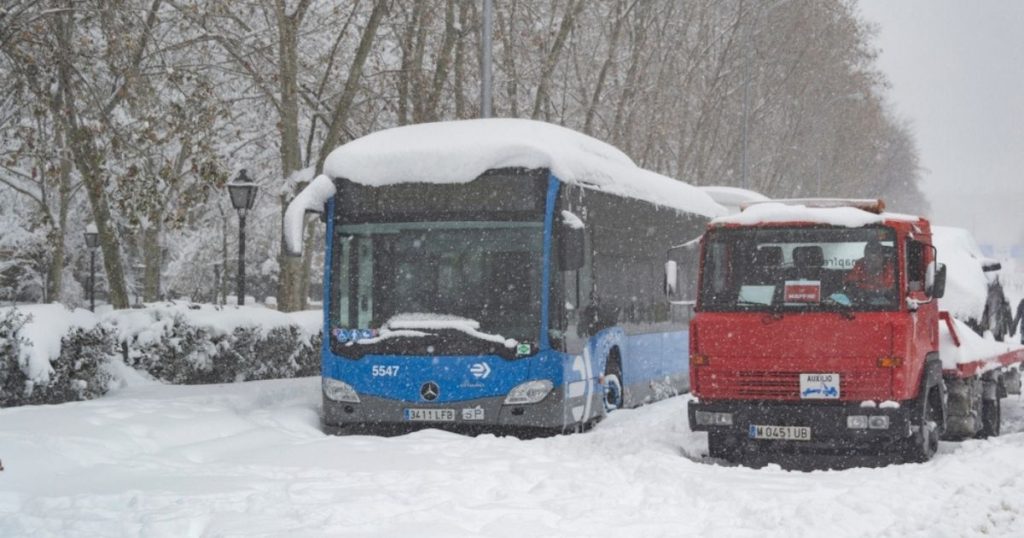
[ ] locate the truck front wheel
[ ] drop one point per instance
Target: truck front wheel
(724, 446)
(924, 443)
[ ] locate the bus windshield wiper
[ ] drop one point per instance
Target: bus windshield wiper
(418, 322)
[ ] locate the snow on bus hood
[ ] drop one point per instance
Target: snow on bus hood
(459, 151)
(410, 324)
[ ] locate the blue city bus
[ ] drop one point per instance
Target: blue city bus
(515, 302)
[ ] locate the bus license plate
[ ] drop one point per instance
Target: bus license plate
(430, 415)
(783, 433)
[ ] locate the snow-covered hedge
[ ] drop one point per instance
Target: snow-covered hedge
(49, 354)
(74, 368)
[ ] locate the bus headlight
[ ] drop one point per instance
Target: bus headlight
(339, 391)
(529, 392)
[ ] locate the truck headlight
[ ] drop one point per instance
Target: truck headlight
(529, 392)
(857, 422)
(878, 422)
(707, 418)
(339, 391)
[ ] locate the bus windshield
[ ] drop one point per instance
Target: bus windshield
(484, 273)
(800, 269)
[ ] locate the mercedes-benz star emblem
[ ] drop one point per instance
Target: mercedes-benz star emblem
(429, 391)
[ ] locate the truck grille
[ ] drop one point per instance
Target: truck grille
(755, 384)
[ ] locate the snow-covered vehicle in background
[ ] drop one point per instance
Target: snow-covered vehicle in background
(496, 274)
(818, 331)
(974, 293)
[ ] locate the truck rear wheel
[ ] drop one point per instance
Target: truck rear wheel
(991, 418)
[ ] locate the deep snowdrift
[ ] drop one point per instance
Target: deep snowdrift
(248, 459)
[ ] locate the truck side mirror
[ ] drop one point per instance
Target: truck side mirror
(571, 243)
(938, 285)
(671, 278)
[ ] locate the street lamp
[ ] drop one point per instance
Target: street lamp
(92, 240)
(216, 282)
(486, 74)
(243, 196)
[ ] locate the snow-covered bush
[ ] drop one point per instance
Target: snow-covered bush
(80, 372)
(282, 352)
(171, 349)
(49, 354)
(185, 343)
(12, 380)
(185, 353)
(77, 373)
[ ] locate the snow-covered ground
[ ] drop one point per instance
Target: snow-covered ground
(248, 459)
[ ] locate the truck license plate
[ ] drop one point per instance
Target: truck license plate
(430, 415)
(783, 433)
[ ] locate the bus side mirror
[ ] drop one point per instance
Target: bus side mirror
(937, 286)
(313, 198)
(321, 214)
(671, 278)
(571, 243)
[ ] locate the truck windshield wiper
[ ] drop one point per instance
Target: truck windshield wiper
(841, 308)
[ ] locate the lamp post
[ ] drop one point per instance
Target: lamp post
(216, 282)
(92, 240)
(486, 73)
(243, 196)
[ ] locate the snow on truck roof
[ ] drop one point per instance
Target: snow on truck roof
(460, 151)
(832, 212)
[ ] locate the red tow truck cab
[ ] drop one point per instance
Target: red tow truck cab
(816, 330)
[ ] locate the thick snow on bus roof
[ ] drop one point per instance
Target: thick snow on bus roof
(732, 197)
(459, 151)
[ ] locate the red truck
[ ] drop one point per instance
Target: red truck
(817, 331)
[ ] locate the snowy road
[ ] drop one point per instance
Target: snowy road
(248, 459)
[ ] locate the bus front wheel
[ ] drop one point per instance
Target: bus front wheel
(613, 393)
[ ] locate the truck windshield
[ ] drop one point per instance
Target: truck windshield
(800, 269)
(487, 274)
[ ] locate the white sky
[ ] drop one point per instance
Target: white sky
(957, 73)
